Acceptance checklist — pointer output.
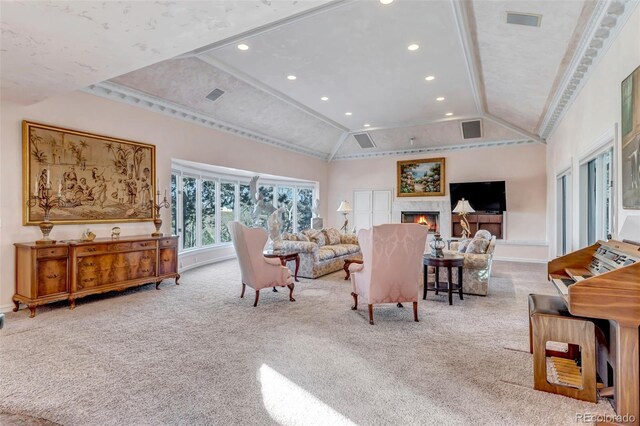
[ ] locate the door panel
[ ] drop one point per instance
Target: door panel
(362, 206)
(381, 207)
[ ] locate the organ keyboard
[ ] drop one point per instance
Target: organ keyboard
(603, 281)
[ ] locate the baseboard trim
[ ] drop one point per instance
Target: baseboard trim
(207, 262)
(6, 308)
(519, 259)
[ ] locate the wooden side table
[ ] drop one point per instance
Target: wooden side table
(348, 262)
(449, 261)
(285, 256)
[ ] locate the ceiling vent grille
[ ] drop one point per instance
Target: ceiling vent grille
(471, 129)
(215, 95)
(364, 140)
(528, 19)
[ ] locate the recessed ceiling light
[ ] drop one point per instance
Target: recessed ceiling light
(324, 98)
(347, 113)
(291, 77)
(449, 114)
(386, 1)
(441, 98)
(243, 47)
(413, 47)
(367, 125)
(429, 78)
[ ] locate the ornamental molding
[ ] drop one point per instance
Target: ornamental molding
(605, 24)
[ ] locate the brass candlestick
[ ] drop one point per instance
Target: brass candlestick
(156, 219)
(46, 202)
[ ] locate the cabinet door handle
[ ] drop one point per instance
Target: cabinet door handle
(166, 259)
(52, 276)
(91, 249)
(146, 257)
(146, 270)
(86, 265)
(88, 280)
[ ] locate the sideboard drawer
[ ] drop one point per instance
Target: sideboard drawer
(52, 252)
(120, 246)
(144, 244)
(169, 242)
(52, 277)
(91, 249)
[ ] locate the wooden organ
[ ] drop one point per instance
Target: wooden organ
(603, 281)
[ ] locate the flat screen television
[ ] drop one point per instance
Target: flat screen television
(488, 197)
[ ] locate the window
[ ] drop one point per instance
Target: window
(189, 212)
(285, 197)
(564, 213)
(596, 174)
(227, 209)
(203, 203)
(208, 212)
(303, 206)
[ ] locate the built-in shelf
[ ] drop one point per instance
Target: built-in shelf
(491, 222)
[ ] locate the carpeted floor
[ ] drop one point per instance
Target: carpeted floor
(198, 354)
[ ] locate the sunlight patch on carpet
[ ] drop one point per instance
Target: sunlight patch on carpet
(289, 404)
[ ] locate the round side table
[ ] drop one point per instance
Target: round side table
(449, 261)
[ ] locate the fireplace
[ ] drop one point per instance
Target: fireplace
(430, 219)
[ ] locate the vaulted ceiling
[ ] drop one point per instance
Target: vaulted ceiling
(353, 68)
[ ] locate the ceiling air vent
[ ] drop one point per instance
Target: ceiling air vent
(471, 129)
(215, 95)
(528, 19)
(364, 140)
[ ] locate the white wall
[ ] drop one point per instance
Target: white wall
(173, 139)
(523, 167)
(594, 113)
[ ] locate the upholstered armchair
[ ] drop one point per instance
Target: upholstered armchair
(257, 271)
(391, 271)
(476, 270)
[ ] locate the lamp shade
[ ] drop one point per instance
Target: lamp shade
(345, 207)
(463, 206)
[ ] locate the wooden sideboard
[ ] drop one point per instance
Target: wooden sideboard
(490, 222)
(74, 269)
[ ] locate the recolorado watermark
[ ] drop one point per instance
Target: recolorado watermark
(602, 418)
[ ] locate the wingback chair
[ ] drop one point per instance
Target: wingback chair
(391, 271)
(257, 271)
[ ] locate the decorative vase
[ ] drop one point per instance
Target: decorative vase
(45, 227)
(158, 223)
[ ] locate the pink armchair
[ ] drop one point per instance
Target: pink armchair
(392, 265)
(257, 271)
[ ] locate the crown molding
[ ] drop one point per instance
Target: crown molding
(423, 150)
(139, 99)
(606, 22)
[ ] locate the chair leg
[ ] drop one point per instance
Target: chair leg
(257, 297)
(415, 311)
(531, 337)
(399, 305)
(355, 301)
(371, 314)
(243, 287)
(291, 286)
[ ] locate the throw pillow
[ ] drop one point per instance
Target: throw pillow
(302, 237)
(332, 236)
(318, 238)
(478, 246)
(463, 244)
(484, 234)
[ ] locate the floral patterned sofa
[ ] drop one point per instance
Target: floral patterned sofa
(478, 258)
(322, 252)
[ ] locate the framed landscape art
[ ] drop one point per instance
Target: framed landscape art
(421, 178)
(631, 141)
(85, 177)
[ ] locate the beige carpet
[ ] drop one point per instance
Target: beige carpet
(198, 354)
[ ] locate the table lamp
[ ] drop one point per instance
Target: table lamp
(345, 208)
(463, 208)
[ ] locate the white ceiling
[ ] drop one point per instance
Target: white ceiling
(352, 51)
(52, 47)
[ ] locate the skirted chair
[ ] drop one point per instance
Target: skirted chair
(391, 271)
(257, 271)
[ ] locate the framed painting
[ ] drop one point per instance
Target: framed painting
(85, 177)
(421, 178)
(630, 149)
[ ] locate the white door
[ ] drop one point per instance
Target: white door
(381, 207)
(362, 206)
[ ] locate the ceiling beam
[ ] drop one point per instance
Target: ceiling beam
(463, 25)
(323, 8)
(513, 127)
(240, 75)
(417, 124)
(343, 137)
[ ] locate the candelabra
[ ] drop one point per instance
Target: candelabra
(157, 206)
(46, 202)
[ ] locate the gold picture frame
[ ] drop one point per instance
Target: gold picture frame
(85, 177)
(630, 140)
(421, 178)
